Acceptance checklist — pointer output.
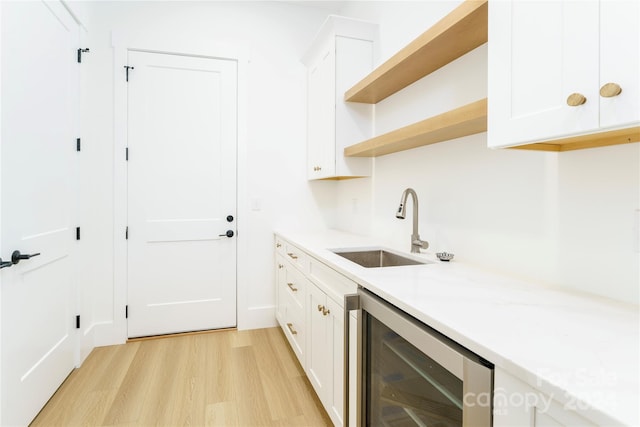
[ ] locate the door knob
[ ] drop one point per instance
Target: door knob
(5, 264)
(229, 233)
(16, 256)
(229, 218)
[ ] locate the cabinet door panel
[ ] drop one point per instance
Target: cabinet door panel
(321, 115)
(518, 404)
(619, 63)
(539, 54)
(353, 120)
(335, 324)
(317, 356)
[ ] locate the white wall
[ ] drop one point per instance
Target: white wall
(554, 218)
(566, 219)
(273, 190)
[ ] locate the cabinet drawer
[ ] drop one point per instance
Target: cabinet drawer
(280, 245)
(296, 286)
(334, 284)
(295, 328)
(297, 257)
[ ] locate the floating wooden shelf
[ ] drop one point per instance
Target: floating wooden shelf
(467, 120)
(461, 31)
(600, 139)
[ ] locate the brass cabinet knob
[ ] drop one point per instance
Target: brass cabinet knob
(320, 307)
(278, 245)
(610, 90)
(317, 168)
(576, 99)
(293, 288)
(280, 266)
(325, 311)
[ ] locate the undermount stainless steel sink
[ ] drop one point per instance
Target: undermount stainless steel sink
(375, 258)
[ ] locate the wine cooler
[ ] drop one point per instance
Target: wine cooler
(410, 374)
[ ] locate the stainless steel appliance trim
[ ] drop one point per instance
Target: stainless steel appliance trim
(478, 397)
(411, 331)
(476, 373)
(351, 302)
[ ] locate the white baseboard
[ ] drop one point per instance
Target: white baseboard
(107, 333)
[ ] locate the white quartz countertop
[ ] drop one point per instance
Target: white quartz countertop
(580, 349)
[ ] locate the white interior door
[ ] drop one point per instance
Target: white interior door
(39, 125)
(181, 193)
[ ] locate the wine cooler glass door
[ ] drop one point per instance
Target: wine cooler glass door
(406, 387)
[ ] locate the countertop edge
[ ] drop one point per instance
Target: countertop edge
(517, 370)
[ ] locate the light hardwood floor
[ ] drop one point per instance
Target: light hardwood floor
(224, 378)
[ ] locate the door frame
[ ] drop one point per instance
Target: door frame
(1, 248)
(114, 330)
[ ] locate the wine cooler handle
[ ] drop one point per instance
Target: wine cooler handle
(351, 302)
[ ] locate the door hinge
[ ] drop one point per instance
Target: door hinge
(127, 68)
(126, 154)
(80, 52)
(126, 233)
(78, 321)
(77, 233)
(126, 311)
(77, 144)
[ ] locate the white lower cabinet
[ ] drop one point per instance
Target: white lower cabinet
(517, 404)
(291, 287)
(325, 350)
(317, 337)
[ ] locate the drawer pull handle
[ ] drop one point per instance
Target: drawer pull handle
(292, 255)
(290, 285)
(278, 245)
(280, 266)
(576, 99)
(293, 331)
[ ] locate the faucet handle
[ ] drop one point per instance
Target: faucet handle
(418, 244)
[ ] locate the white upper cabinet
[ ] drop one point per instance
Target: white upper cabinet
(340, 55)
(549, 66)
(620, 61)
